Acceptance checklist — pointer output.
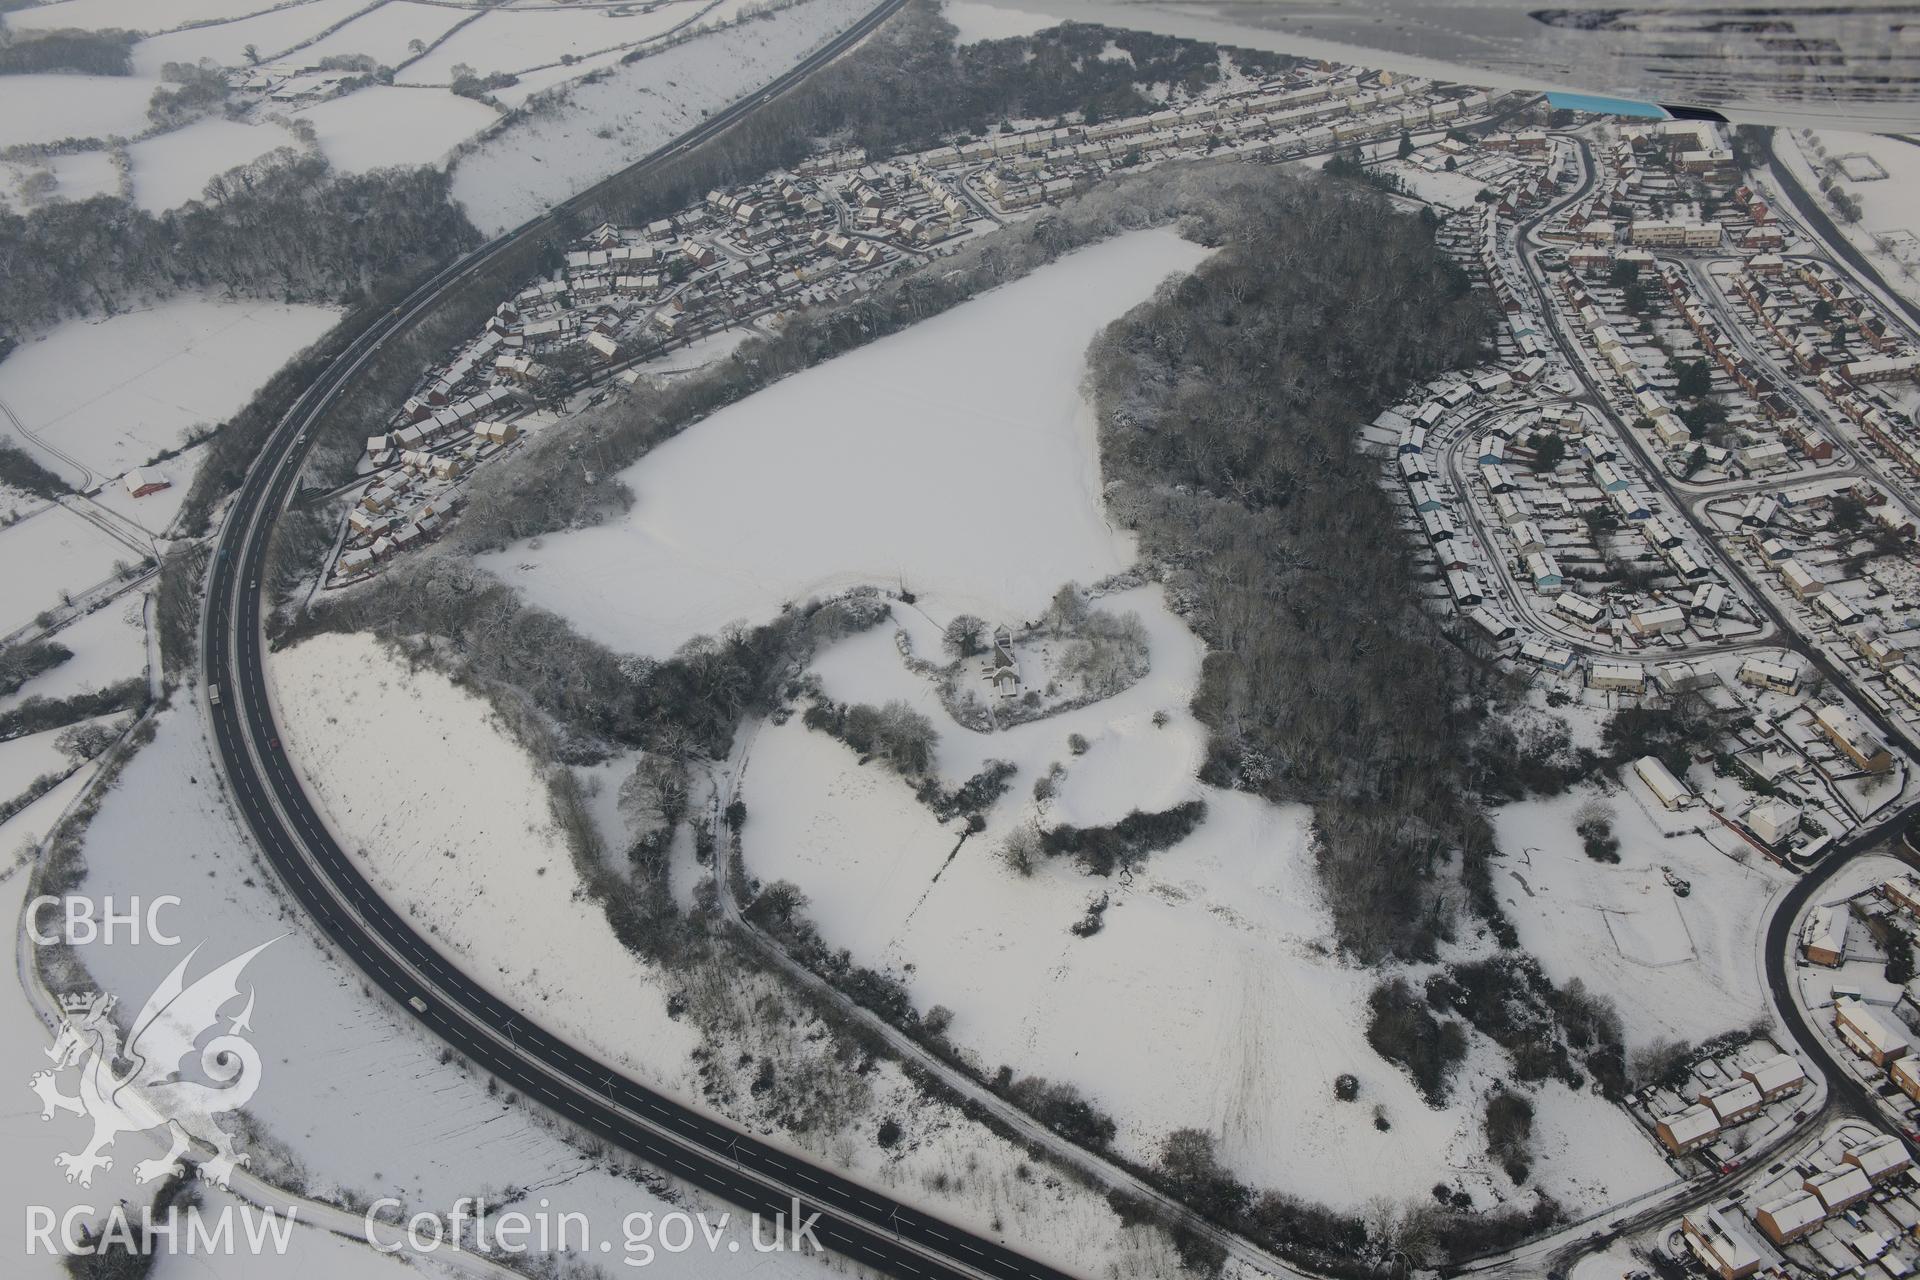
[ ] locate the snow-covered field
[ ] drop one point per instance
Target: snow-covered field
(1219, 952)
(170, 169)
(1675, 967)
(1887, 204)
(1219, 945)
(47, 108)
(385, 34)
(24, 759)
(451, 816)
(519, 39)
(108, 645)
(388, 125)
(602, 127)
(134, 15)
(976, 21)
(1447, 190)
(414, 122)
(547, 50)
(956, 456)
(271, 33)
(1888, 232)
(50, 553)
(80, 176)
(113, 392)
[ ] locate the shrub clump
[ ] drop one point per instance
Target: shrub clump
(1060, 1107)
(1402, 1029)
(1509, 1125)
(1125, 843)
(896, 734)
(22, 662)
(1594, 826)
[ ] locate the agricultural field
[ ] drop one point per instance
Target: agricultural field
(981, 493)
(182, 365)
(284, 61)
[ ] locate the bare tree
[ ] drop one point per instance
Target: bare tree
(964, 636)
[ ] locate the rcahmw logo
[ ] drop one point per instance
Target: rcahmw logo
(234, 1229)
(170, 1079)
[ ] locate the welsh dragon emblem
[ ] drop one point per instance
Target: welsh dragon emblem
(155, 1089)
